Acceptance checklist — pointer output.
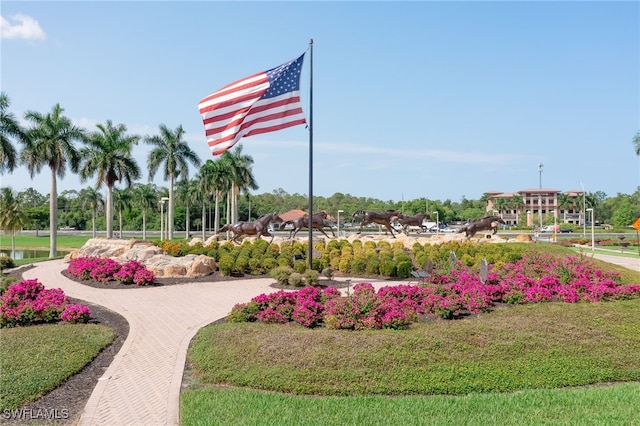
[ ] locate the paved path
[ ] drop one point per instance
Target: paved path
(142, 384)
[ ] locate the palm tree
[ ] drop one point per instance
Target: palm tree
(91, 199)
(9, 127)
(122, 200)
(170, 149)
(636, 143)
(187, 195)
(12, 218)
(213, 179)
(145, 197)
(50, 141)
(108, 154)
(241, 176)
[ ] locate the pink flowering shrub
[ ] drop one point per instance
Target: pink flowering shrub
(106, 269)
(76, 314)
(28, 302)
(535, 278)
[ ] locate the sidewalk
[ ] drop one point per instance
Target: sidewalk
(142, 384)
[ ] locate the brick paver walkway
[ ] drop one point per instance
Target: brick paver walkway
(142, 384)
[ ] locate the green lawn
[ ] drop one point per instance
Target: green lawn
(36, 359)
(530, 364)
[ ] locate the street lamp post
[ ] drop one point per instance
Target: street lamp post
(437, 222)
(163, 229)
(540, 165)
(593, 241)
(584, 205)
(161, 219)
(555, 225)
(339, 211)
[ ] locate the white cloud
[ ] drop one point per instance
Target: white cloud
(23, 26)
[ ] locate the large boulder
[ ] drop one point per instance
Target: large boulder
(150, 255)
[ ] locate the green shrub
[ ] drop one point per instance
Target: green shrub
(300, 266)
(358, 265)
(281, 274)
(226, 264)
(6, 262)
(5, 282)
(373, 266)
(404, 269)
(242, 264)
(296, 279)
(269, 263)
(311, 277)
(244, 312)
(255, 266)
(388, 268)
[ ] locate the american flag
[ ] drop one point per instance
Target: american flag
(261, 103)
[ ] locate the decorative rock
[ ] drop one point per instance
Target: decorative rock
(150, 255)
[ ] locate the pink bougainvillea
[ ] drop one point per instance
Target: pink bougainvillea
(28, 302)
(535, 278)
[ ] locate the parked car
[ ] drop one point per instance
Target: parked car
(566, 230)
(550, 228)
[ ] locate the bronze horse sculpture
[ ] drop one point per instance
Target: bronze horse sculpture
(415, 220)
(385, 218)
(488, 223)
(259, 227)
(318, 223)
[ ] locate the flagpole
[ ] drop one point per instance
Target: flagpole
(310, 248)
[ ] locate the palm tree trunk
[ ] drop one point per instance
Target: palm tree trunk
(217, 212)
(109, 212)
(186, 232)
(93, 222)
(204, 218)
(170, 219)
(53, 216)
(120, 223)
(13, 243)
(144, 224)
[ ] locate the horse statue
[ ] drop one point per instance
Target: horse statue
(259, 227)
(488, 223)
(318, 223)
(415, 220)
(385, 218)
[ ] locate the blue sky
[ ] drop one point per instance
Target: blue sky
(442, 100)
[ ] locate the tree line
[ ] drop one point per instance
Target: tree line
(219, 193)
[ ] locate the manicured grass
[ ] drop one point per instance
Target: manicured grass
(36, 359)
(63, 242)
(604, 405)
(496, 363)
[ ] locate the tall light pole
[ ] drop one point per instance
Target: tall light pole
(437, 222)
(584, 209)
(540, 165)
(593, 241)
(166, 230)
(161, 219)
(339, 211)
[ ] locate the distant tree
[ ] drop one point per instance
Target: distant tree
(242, 178)
(12, 218)
(108, 154)
(145, 197)
(636, 143)
(91, 199)
(213, 179)
(9, 127)
(172, 151)
(623, 215)
(122, 200)
(50, 141)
